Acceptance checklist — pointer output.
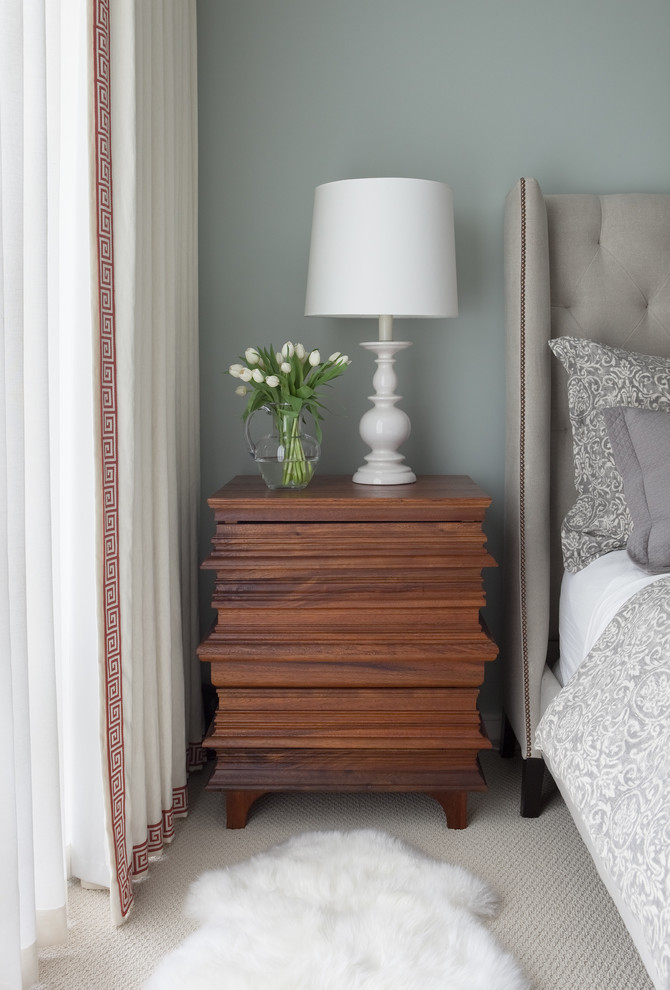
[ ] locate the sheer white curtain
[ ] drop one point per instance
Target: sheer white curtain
(99, 680)
(32, 905)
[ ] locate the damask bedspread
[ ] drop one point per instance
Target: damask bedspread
(606, 739)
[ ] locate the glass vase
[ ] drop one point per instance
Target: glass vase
(287, 456)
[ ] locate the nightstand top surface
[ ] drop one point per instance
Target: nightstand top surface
(431, 497)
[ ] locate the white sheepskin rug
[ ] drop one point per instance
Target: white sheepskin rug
(339, 911)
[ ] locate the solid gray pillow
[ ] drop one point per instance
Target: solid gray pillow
(640, 440)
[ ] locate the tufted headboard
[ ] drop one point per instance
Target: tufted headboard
(589, 266)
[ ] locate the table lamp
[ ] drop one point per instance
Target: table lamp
(383, 248)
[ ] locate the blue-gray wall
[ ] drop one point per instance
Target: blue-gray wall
(476, 93)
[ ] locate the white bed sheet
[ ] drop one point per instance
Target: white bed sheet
(589, 599)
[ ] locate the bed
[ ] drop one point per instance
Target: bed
(587, 522)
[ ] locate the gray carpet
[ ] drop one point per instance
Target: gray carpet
(556, 917)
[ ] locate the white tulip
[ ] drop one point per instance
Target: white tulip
(236, 370)
(257, 375)
(241, 390)
(245, 374)
(279, 356)
(314, 358)
(334, 357)
(300, 352)
(343, 359)
(285, 367)
(252, 355)
(288, 349)
(272, 381)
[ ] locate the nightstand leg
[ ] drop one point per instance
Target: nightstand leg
(455, 805)
(237, 807)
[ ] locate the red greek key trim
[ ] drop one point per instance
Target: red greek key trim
(180, 800)
(109, 452)
(140, 859)
(196, 756)
(155, 837)
(160, 833)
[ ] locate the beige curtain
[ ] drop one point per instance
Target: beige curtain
(144, 89)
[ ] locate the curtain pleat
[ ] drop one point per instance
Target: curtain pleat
(77, 542)
(18, 935)
(187, 396)
(40, 638)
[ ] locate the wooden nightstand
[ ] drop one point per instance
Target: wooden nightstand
(348, 651)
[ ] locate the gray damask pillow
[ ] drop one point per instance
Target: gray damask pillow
(640, 441)
(598, 377)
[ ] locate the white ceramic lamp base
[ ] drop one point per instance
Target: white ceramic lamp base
(384, 428)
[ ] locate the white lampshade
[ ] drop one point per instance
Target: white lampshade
(382, 246)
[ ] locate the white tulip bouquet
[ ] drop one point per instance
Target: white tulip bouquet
(286, 382)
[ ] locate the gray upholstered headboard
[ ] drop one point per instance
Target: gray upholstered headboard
(587, 266)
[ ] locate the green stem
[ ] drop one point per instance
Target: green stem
(296, 469)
